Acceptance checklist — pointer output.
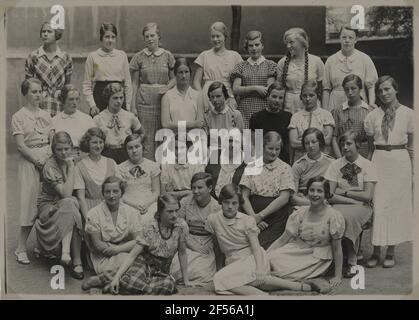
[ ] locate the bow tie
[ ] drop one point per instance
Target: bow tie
(350, 173)
(115, 123)
(136, 171)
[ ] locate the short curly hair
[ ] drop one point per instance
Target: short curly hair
(114, 179)
(111, 89)
(89, 134)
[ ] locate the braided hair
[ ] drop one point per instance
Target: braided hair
(302, 36)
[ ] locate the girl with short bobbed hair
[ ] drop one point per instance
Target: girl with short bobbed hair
(59, 224)
(247, 270)
(181, 102)
(273, 117)
(267, 194)
(348, 60)
(298, 67)
(103, 66)
(251, 78)
(116, 122)
(92, 170)
(216, 64)
(311, 241)
(390, 136)
(351, 114)
(312, 164)
(72, 120)
(141, 175)
(195, 210)
(111, 229)
(152, 76)
(31, 129)
(50, 62)
(352, 182)
(313, 116)
(146, 270)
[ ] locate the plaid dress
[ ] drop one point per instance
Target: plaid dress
(153, 71)
(150, 272)
(253, 75)
(53, 74)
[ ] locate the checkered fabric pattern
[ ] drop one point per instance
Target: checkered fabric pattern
(148, 275)
(52, 73)
(253, 75)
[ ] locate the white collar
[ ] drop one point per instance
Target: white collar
(351, 58)
(363, 104)
(156, 53)
(257, 62)
(58, 52)
(224, 111)
(104, 53)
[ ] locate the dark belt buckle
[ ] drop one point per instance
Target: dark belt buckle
(388, 147)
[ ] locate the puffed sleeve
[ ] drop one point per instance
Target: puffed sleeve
(336, 225)
(328, 118)
(327, 71)
(171, 61)
(369, 124)
(144, 237)
(294, 121)
(18, 125)
(332, 173)
(135, 63)
(155, 170)
(92, 222)
(247, 182)
(371, 75)
(294, 221)
(52, 175)
(200, 60)
(251, 227)
(237, 72)
(287, 179)
(296, 172)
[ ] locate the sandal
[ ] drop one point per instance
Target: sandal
(22, 257)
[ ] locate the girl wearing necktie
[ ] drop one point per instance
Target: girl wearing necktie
(116, 123)
(352, 182)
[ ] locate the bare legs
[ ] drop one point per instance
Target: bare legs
(23, 238)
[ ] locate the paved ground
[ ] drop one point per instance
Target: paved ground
(36, 277)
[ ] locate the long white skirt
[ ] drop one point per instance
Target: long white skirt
(393, 208)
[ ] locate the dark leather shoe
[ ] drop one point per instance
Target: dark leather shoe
(348, 272)
(77, 275)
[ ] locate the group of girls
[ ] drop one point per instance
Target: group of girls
(101, 186)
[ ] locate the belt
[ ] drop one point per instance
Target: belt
(38, 145)
(389, 147)
(199, 234)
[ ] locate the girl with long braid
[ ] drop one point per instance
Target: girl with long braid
(297, 67)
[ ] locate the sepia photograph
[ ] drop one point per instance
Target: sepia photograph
(208, 150)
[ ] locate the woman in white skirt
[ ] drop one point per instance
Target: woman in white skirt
(390, 129)
(31, 128)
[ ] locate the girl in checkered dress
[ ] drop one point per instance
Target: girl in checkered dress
(146, 269)
(251, 78)
(51, 66)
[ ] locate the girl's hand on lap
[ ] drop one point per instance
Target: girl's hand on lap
(263, 225)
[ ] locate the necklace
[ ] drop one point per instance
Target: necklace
(165, 237)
